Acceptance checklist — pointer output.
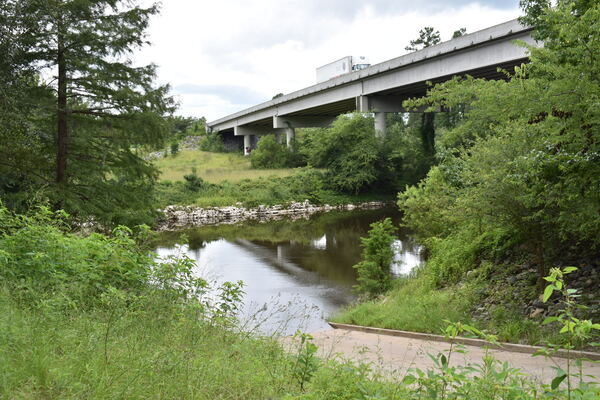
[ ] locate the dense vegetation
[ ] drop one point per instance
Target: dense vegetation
(97, 317)
(355, 159)
(75, 111)
(304, 184)
(515, 192)
(504, 195)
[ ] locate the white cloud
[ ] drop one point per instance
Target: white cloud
(236, 53)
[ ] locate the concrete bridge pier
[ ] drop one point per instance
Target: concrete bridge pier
(289, 123)
(290, 136)
(247, 144)
(380, 124)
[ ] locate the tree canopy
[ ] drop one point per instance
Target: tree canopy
(522, 168)
(86, 109)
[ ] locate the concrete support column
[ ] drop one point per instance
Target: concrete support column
(380, 124)
(247, 144)
(290, 136)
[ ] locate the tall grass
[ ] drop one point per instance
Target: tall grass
(305, 184)
(143, 352)
(412, 305)
(213, 167)
(143, 330)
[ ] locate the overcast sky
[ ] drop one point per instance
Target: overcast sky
(221, 56)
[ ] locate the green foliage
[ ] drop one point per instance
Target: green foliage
(349, 150)
(402, 160)
(358, 161)
(578, 331)
(412, 305)
(306, 363)
(306, 184)
(427, 38)
(522, 167)
(213, 142)
(94, 117)
(429, 207)
(174, 148)
(373, 271)
(193, 182)
(271, 154)
(183, 126)
(40, 260)
(459, 32)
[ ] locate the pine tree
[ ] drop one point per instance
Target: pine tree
(103, 108)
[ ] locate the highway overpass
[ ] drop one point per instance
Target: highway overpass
(382, 88)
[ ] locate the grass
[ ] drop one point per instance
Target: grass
(305, 184)
(213, 167)
(415, 304)
(229, 179)
(133, 353)
(141, 332)
(412, 305)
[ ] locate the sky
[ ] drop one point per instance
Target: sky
(222, 56)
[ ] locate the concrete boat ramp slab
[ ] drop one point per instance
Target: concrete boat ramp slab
(395, 355)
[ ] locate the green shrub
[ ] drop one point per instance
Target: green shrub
(373, 271)
(270, 154)
(40, 260)
(174, 148)
(524, 161)
(212, 142)
(193, 182)
(349, 150)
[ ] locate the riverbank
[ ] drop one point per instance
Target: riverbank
(113, 323)
(503, 301)
(179, 217)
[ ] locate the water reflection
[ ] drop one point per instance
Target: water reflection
(296, 273)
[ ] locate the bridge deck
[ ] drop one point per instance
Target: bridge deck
(478, 54)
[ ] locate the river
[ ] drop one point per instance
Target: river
(295, 272)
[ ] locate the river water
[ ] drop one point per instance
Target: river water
(296, 273)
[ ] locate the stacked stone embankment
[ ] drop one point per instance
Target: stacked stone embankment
(177, 217)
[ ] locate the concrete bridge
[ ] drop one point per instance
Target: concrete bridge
(381, 88)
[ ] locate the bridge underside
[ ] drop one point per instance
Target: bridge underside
(385, 101)
(383, 87)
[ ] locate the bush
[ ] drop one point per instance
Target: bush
(212, 142)
(193, 182)
(174, 148)
(39, 260)
(349, 150)
(271, 155)
(374, 276)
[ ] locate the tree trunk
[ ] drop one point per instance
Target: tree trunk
(428, 132)
(63, 128)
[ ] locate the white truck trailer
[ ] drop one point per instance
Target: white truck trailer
(340, 67)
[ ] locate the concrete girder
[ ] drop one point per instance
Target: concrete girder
(458, 63)
(386, 104)
(302, 121)
(476, 53)
(255, 130)
(380, 104)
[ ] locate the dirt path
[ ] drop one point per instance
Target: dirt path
(396, 354)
